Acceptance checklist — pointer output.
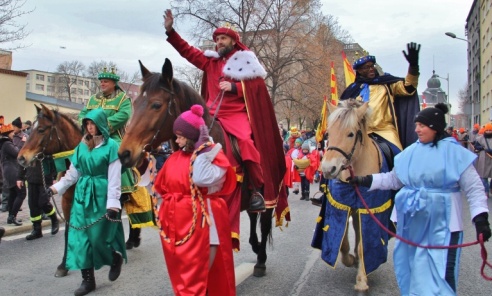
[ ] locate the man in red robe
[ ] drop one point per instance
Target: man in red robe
(235, 93)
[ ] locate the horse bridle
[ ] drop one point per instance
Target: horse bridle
(148, 147)
(41, 155)
(348, 157)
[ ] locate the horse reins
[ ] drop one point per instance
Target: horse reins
(483, 251)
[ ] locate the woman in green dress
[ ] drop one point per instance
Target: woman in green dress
(95, 237)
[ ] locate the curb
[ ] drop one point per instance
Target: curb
(25, 227)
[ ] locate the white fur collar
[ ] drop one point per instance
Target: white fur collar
(244, 65)
(211, 54)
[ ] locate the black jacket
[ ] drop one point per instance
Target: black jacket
(10, 165)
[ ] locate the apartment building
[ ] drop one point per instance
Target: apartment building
(485, 69)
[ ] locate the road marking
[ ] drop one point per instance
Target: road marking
(243, 271)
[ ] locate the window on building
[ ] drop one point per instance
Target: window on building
(40, 77)
(80, 82)
(50, 88)
(93, 84)
(86, 92)
(73, 90)
(39, 87)
(80, 91)
(85, 101)
(51, 79)
(28, 87)
(61, 79)
(73, 80)
(86, 83)
(28, 76)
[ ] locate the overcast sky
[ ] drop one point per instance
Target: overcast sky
(125, 31)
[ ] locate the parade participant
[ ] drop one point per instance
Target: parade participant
(5, 196)
(118, 108)
(193, 216)
(11, 167)
(389, 98)
(236, 95)
(306, 165)
(473, 137)
(38, 200)
(431, 173)
(292, 179)
(27, 127)
(19, 136)
(463, 137)
(95, 236)
(294, 134)
(483, 146)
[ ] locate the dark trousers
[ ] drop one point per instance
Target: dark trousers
(39, 201)
(5, 196)
(304, 184)
(453, 260)
(16, 197)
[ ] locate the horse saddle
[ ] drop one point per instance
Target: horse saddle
(386, 151)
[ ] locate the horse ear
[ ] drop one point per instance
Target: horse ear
(167, 70)
(331, 108)
(38, 109)
(361, 111)
(145, 72)
(47, 112)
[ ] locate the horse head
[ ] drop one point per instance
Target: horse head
(161, 100)
(53, 132)
(347, 134)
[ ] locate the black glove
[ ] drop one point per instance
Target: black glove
(482, 226)
(112, 214)
(413, 54)
(365, 181)
(49, 192)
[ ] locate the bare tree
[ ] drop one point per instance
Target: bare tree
(191, 75)
(10, 30)
(291, 39)
(463, 99)
(66, 76)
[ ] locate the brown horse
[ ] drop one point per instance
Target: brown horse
(54, 132)
(161, 100)
(349, 145)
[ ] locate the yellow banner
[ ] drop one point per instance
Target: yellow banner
(349, 71)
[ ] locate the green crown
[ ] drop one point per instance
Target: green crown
(108, 75)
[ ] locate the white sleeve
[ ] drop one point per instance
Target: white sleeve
(207, 174)
(472, 185)
(385, 181)
(114, 185)
(70, 178)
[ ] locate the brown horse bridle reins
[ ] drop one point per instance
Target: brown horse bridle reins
(348, 157)
(148, 147)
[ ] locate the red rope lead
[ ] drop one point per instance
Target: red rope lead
(480, 241)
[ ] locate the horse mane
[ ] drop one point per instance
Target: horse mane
(70, 119)
(346, 115)
(181, 89)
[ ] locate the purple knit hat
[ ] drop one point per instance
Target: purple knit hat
(189, 122)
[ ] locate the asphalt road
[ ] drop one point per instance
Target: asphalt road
(293, 267)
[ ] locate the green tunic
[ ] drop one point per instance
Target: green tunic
(118, 109)
(93, 246)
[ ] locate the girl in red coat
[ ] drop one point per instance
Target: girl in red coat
(193, 216)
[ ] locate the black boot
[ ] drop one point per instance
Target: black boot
(115, 270)
(36, 231)
(133, 239)
(88, 282)
(256, 203)
(306, 197)
(55, 224)
(302, 196)
(2, 232)
(13, 220)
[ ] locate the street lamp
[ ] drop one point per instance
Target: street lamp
(472, 101)
(447, 95)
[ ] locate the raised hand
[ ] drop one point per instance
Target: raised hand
(413, 54)
(168, 20)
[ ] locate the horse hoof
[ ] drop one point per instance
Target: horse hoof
(348, 260)
(61, 272)
(259, 270)
(361, 287)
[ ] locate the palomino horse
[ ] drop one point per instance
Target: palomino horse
(161, 100)
(55, 132)
(350, 146)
